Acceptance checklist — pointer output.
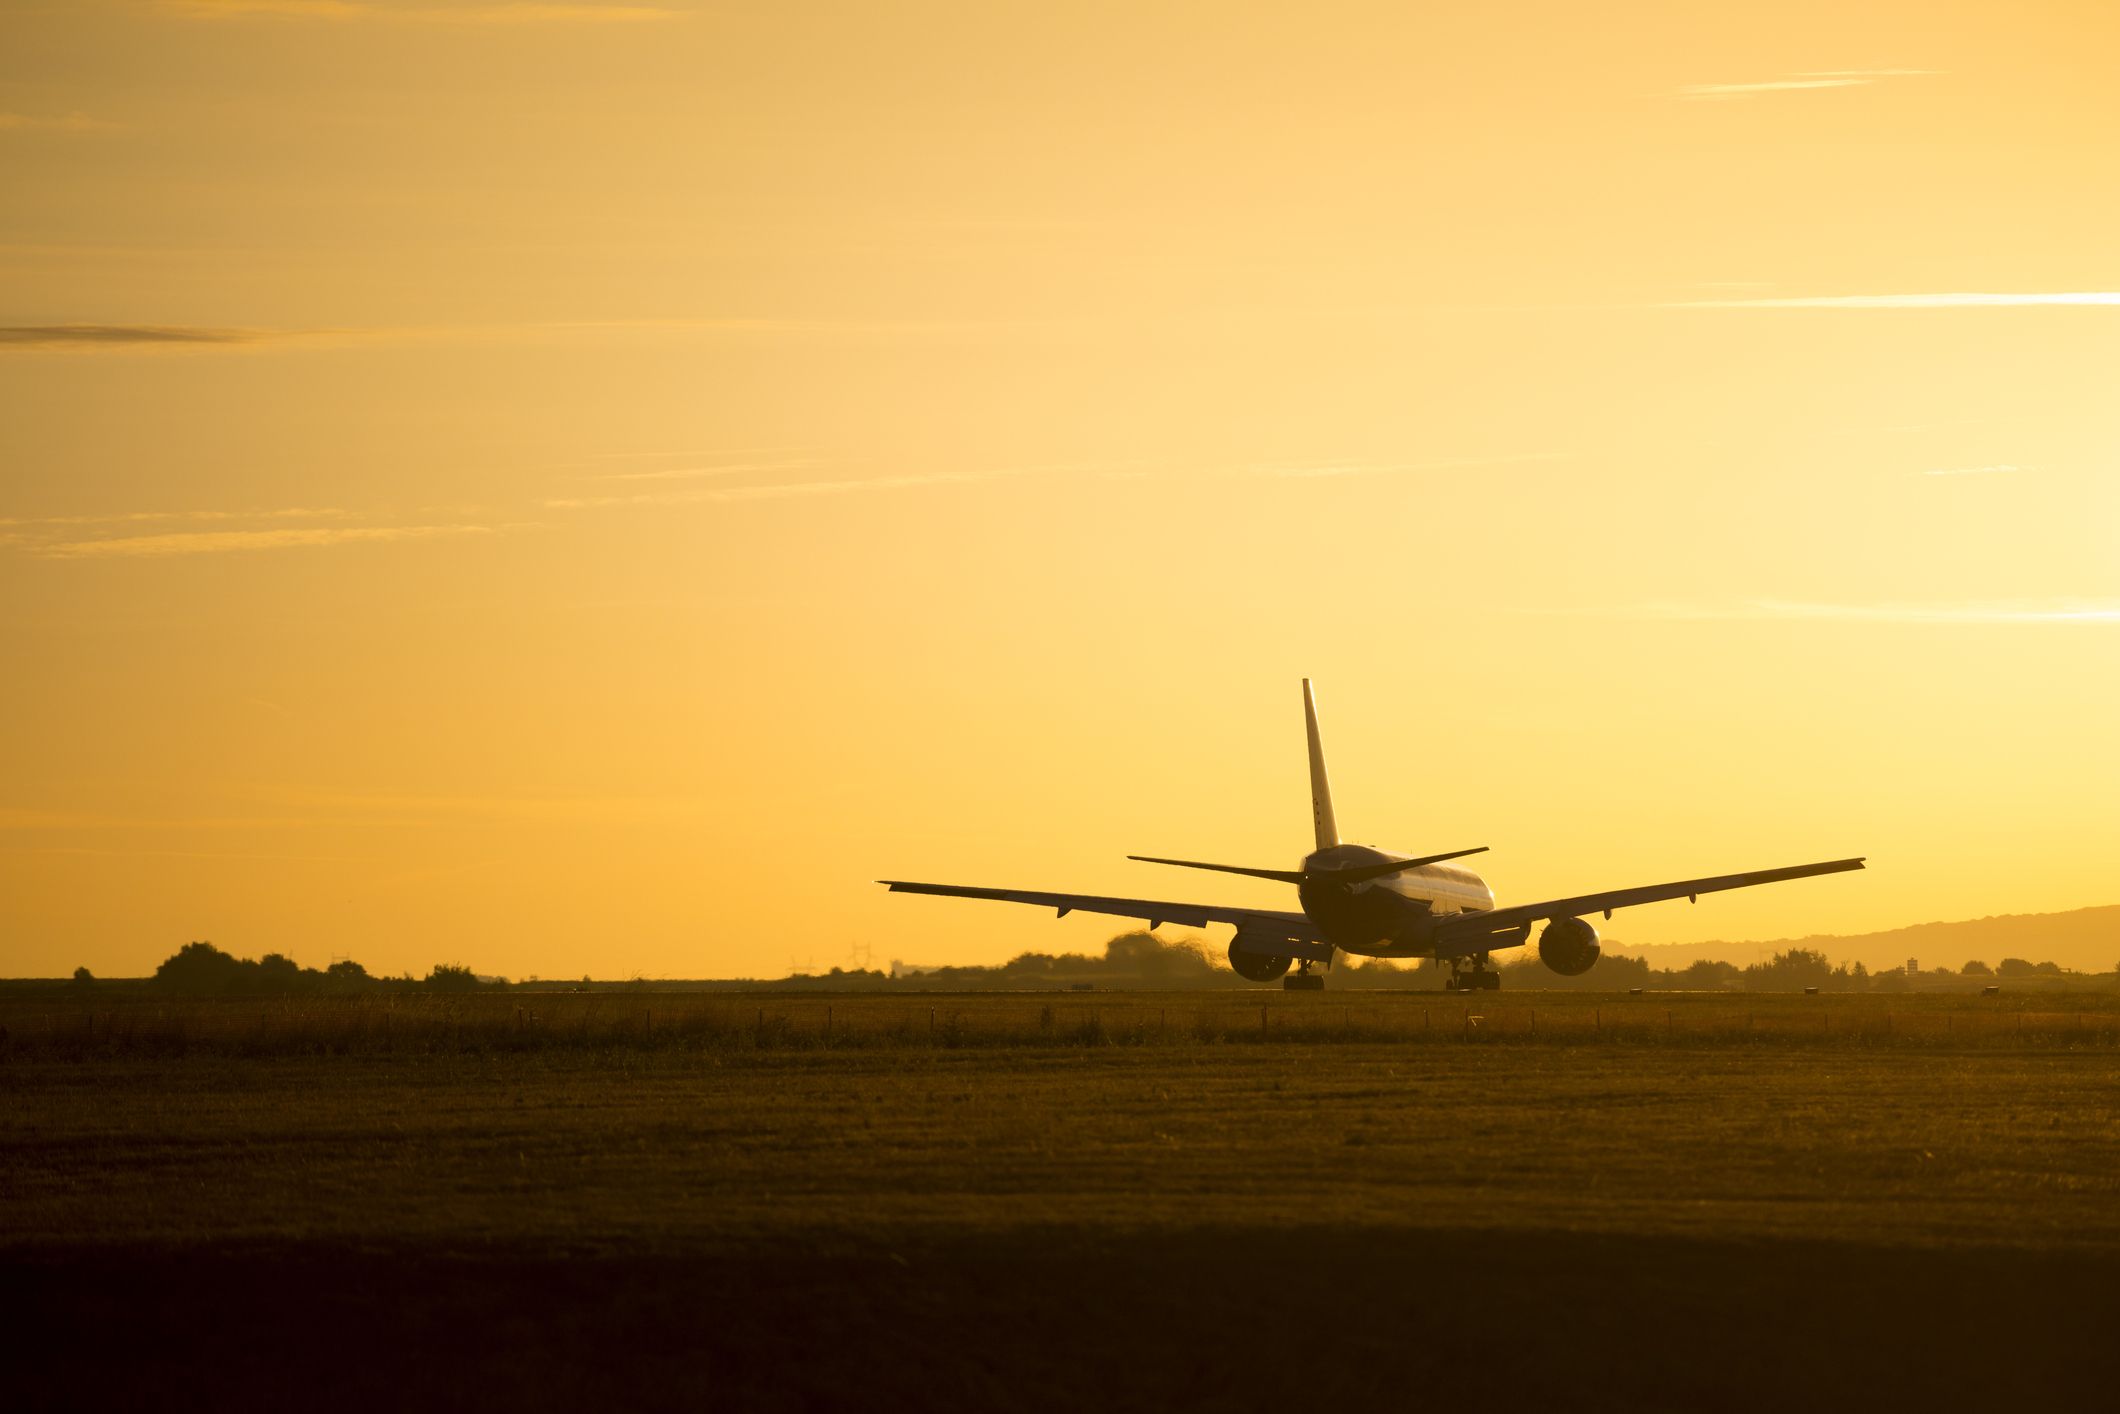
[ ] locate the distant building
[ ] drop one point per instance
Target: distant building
(1913, 967)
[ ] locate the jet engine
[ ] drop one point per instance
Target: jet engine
(1256, 966)
(1569, 946)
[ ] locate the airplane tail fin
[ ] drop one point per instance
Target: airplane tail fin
(1320, 788)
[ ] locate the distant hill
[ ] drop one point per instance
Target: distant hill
(2085, 940)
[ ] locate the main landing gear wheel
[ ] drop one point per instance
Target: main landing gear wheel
(1475, 978)
(1303, 979)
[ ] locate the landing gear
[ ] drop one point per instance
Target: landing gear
(1474, 978)
(1303, 979)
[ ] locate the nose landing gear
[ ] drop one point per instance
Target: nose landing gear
(1475, 977)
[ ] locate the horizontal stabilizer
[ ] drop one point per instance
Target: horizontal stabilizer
(1358, 874)
(1286, 876)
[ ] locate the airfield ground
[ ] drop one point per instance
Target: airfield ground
(1137, 1201)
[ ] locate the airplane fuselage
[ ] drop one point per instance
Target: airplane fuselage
(1391, 916)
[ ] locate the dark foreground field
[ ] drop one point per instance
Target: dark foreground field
(1863, 1218)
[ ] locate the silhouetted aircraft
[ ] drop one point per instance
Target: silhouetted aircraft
(1374, 902)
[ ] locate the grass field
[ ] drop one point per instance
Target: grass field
(1133, 1201)
(140, 1023)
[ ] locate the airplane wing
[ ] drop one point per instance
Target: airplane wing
(1460, 934)
(1292, 933)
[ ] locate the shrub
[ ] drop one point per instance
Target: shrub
(200, 969)
(452, 977)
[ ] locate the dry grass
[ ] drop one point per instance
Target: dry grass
(621, 1146)
(1142, 1202)
(140, 1024)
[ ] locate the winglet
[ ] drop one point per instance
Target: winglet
(1320, 788)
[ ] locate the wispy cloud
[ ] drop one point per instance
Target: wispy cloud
(63, 337)
(1957, 299)
(25, 818)
(1998, 469)
(2005, 611)
(637, 456)
(693, 473)
(214, 542)
(612, 810)
(91, 336)
(773, 491)
(1369, 468)
(127, 517)
(354, 10)
(54, 123)
(1797, 82)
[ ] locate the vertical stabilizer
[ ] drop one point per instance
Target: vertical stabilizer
(1320, 787)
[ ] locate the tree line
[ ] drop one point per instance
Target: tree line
(1137, 959)
(202, 970)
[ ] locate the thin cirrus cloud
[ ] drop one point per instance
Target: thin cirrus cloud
(214, 542)
(114, 336)
(693, 473)
(53, 123)
(352, 10)
(784, 490)
(1951, 299)
(1311, 470)
(1798, 82)
(2004, 611)
(440, 809)
(29, 338)
(130, 517)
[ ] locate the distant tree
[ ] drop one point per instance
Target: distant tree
(346, 975)
(1148, 957)
(1706, 974)
(1029, 962)
(278, 973)
(1976, 968)
(2013, 967)
(1796, 968)
(82, 977)
(2048, 969)
(200, 969)
(1612, 972)
(451, 977)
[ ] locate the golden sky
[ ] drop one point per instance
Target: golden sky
(587, 488)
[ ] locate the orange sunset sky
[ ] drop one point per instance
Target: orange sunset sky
(587, 488)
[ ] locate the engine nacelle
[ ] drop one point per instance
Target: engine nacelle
(1257, 966)
(1569, 946)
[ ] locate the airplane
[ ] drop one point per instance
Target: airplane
(1377, 903)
